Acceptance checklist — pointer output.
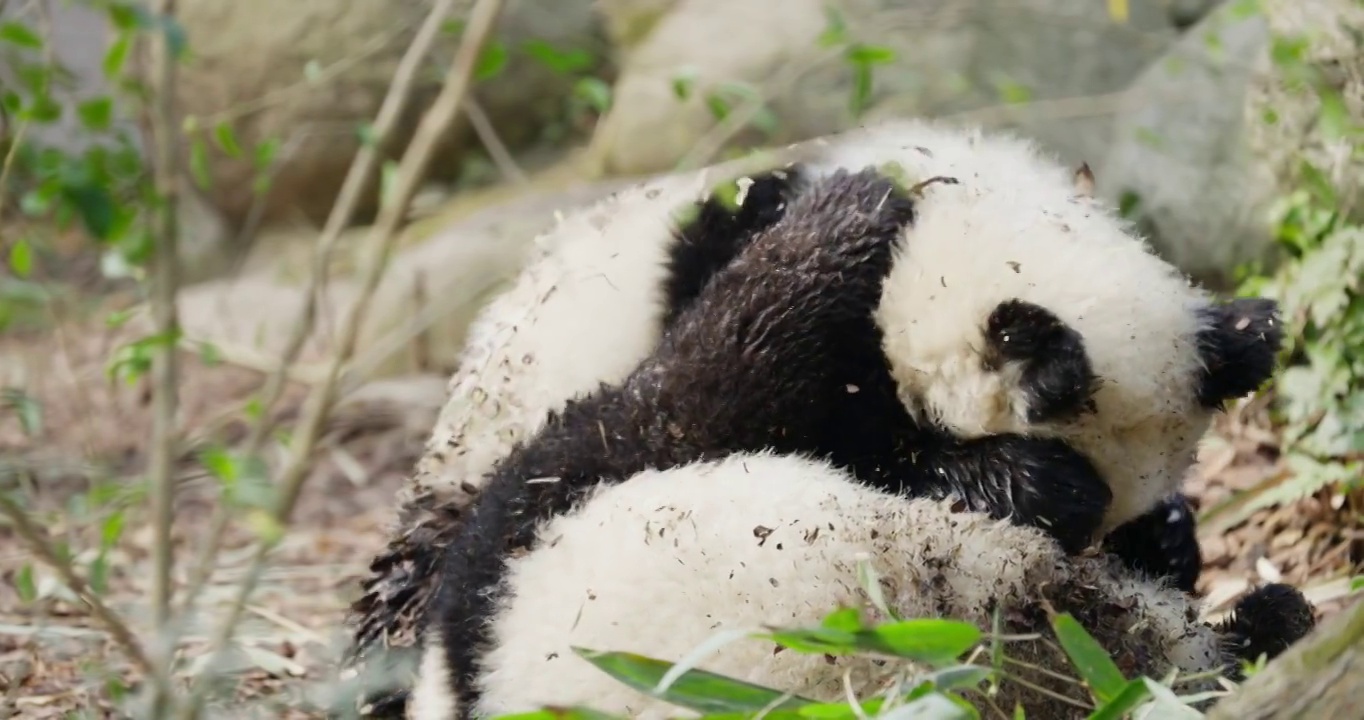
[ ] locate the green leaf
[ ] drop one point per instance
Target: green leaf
(957, 677)
(176, 39)
(1131, 695)
(266, 152)
(564, 62)
(198, 163)
(97, 574)
(573, 713)
(594, 92)
(1165, 704)
(43, 110)
(695, 690)
(21, 258)
(111, 530)
(19, 34)
(861, 90)
(870, 54)
(683, 82)
(116, 56)
(1357, 583)
(95, 207)
(368, 138)
(835, 29)
(388, 182)
(1335, 117)
(491, 61)
(1011, 92)
(933, 706)
(1090, 659)
(25, 584)
(927, 640)
(209, 354)
(226, 139)
(28, 409)
(96, 113)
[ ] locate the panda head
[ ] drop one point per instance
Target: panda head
(1017, 304)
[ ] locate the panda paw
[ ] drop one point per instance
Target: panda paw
(1266, 621)
(1041, 482)
(1057, 377)
(1161, 543)
(719, 228)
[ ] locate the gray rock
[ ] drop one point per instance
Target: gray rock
(1213, 132)
(971, 57)
(310, 72)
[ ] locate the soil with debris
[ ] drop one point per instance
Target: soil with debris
(55, 658)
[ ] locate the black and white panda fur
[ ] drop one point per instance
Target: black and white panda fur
(662, 563)
(798, 346)
(610, 277)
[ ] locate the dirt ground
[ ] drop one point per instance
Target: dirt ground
(55, 658)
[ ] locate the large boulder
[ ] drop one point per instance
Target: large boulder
(1213, 132)
(446, 268)
(968, 56)
(310, 72)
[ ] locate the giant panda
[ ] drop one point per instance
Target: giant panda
(662, 563)
(795, 347)
(612, 277)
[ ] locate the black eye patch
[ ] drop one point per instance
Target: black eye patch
(1057, 377)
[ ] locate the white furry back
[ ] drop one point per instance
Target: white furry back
(584, 311)
(659, 564)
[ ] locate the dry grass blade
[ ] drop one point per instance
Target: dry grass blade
(38, 541)
(434, 125)
(362, 169)
(165, 232)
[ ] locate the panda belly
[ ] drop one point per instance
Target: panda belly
(662, 562)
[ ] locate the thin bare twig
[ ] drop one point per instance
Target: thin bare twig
(435, 123)
(164, 372)
(362, 169)
(497, 150)
(42, 548)
(164, 285)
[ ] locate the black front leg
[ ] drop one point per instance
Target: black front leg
(1161, 543)
(1041, 482)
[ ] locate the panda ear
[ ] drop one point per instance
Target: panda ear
(1238, 343)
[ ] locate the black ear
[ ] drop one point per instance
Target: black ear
(1238, 345)
(719, 228)
(1057, 377)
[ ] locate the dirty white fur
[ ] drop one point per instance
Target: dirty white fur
(585, 310)
(1012, 227)
(661, 563)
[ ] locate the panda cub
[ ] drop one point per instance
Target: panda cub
(593, 304)
(776, 351)
(662, 563)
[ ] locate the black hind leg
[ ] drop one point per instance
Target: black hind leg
(722, 226)
(1161, 543)
(1266, 622)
